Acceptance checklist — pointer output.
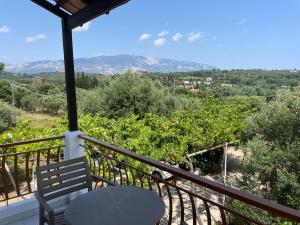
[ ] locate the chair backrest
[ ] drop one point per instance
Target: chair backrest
(58, 179)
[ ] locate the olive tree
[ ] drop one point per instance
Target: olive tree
(270, 168)
(128, 94)
(2, 66)
(8, 116)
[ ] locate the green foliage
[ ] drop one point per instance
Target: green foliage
(226, 83)
(52, 105)
(129, 94)
(276, 169)
(5, 91)
(253, 103)
(44, 88)
(271, 164)
(31, 102)
(170, 139)
(279, 121)
(242, 78)
(158, 137)
(86, 82)
(23, 131)
(19, 94)
(45, 98)
(1, 67)
(8, 116)
(45, 104)
(210, 162)
(138, 113)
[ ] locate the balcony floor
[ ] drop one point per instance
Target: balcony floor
(33, 220)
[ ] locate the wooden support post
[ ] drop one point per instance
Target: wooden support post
(225, 170)
(174, 86)
(69, 76)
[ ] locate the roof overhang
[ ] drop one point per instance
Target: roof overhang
(78, 12)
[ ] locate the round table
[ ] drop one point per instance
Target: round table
(116, 205)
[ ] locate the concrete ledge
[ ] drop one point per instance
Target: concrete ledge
(24, 209)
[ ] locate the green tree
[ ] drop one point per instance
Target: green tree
(5, 91)
(8, 116)
(86, 82)
(271, 163)
(52, 105)
(128, 94)
(31, 102)
(2, 66)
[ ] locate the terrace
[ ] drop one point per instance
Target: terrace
(189, 199)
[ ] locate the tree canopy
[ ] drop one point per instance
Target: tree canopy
(128, 94)
(8, 116)
(271, 163)
(2, 66)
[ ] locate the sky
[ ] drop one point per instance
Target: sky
(224, 33)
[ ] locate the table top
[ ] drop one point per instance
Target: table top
(116, 205)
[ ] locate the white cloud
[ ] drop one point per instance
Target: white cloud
(159, 42)
(36, 38)
(193, 36)
(163, 33)
(242, 21)
(219, 45)
(84, 27)
(4, 29)
(144, 37)
(214, 38)
(177, 37)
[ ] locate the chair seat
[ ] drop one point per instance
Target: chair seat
(58, 218)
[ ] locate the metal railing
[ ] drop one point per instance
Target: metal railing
(18, 161)
(189, 199)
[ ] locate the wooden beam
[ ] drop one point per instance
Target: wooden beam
(93, 10)
(212, 148)
(51, 8)
(205, 150)
(69, 76)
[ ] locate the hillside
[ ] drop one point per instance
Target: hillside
(111, 65)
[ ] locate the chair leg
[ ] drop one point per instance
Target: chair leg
(41, 215)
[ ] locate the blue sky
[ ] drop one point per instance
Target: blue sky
(226, 34)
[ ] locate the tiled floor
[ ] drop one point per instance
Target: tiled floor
(34, 220)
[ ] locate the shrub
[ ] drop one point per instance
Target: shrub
(8, 116)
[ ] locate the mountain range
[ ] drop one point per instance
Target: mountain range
(111, 65)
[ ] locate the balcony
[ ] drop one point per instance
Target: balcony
(189, 199)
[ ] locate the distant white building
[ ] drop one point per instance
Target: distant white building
(226, 85)
(293, 71)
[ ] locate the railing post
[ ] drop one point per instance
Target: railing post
(73, 146)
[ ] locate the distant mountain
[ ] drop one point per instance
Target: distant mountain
(111, 65)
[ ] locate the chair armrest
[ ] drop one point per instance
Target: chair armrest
(44, 204)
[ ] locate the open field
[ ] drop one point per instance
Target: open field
(39, 119)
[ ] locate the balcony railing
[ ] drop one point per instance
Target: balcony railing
(189, 198)
(18, 161)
